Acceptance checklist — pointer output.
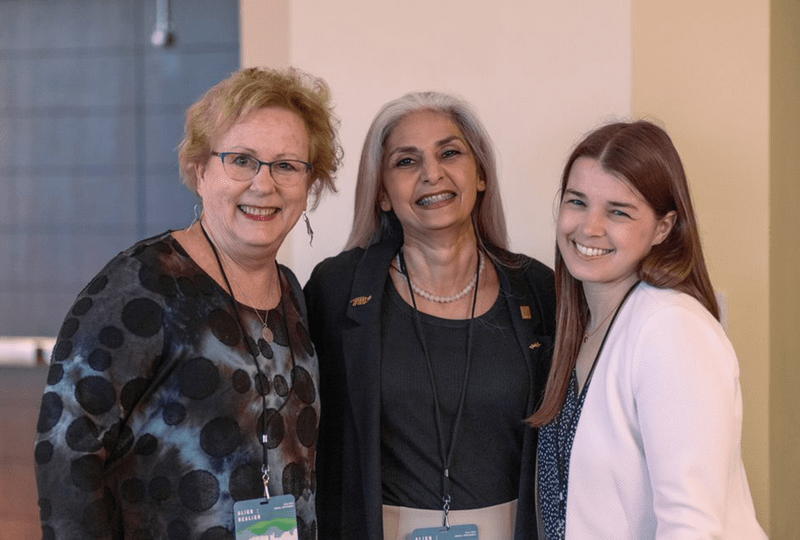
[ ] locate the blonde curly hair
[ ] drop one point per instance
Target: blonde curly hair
(250, 89)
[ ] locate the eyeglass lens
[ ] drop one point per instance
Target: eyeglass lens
(245, 167)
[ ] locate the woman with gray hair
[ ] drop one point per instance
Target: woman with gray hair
(434, 340)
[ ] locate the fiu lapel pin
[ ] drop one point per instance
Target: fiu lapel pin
(360, 300)
(526, 311)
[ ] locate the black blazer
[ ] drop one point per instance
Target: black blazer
(344, 296)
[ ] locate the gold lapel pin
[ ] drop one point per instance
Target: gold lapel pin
(535, 345)
(360, 300)
(526, 311)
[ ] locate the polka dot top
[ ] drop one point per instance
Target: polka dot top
(555, 445)
(151, 418)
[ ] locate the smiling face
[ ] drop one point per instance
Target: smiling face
(430, 177)
(605, 228)
(253, 217)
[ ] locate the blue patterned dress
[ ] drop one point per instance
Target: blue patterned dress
(555, 445)
(149, 425)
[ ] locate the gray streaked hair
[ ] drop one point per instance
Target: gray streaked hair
(371, 224)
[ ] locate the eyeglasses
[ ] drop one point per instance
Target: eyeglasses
(244, 167)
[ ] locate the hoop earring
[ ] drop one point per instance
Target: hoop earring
(309, 230)
(198, 213)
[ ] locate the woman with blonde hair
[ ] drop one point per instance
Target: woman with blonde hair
(183, 382)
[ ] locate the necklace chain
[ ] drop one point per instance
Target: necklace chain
(266, 331)
(447, 299)
(265, 419)
(586, 336)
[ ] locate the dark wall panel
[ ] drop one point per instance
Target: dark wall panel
(90, 118)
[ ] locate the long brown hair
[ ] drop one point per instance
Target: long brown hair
(643, 154)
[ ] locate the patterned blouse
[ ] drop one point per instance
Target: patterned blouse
(555, 446)
(151, 419)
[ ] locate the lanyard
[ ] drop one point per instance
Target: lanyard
(568, 433)
(253, 349)
(446, 455)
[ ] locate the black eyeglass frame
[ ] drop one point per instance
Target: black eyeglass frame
(269, 164)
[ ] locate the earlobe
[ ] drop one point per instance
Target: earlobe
(383, 200)
(199, 174)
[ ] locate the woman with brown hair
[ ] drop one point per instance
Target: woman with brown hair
(641, 421)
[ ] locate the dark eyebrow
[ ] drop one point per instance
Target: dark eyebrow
(250, 152)
(243, 150)
(448, 140)
(442, 142)
(623, 205)
(576, 193)
(402, 149)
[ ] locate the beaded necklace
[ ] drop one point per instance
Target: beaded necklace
(447, 299)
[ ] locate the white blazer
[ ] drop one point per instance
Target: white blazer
(657, 451)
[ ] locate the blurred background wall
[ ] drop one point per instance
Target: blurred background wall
(90, 116)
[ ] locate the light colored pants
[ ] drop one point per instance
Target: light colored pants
(494, 522)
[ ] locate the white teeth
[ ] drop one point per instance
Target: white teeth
(433, 199)
(257, 210)
(590, 251)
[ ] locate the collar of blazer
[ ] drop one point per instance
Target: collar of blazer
(369, 280)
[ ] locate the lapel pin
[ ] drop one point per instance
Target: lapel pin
(535, 345)
(526, 311)
(360, 300)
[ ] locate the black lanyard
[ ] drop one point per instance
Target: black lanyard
(446, 455)
(253, 349)
(564, 454)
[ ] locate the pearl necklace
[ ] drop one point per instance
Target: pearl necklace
(447, 299)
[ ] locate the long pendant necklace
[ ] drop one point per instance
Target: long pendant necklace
(253, 349)
(266, 333)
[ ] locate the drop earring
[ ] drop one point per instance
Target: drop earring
(309, 230)
(198, 212)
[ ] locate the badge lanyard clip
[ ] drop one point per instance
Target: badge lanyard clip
(265, 469)
(446, 513)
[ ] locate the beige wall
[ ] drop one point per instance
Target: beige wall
(725, 78)
(541, 74)
(265, 29)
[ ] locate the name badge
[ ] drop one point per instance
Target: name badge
(258, 518)
(440, 533)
